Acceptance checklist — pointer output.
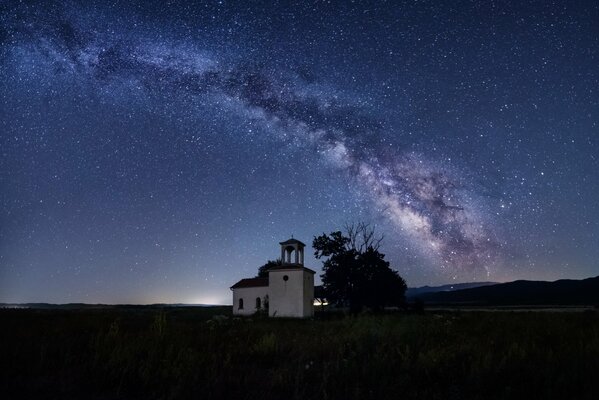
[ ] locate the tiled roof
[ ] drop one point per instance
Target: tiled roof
(250, 282)
(290, 266)
(291, 241)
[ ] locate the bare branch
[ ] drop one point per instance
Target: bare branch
(377, 243)
(362, 236)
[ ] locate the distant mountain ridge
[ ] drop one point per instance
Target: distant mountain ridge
(79, 306)
(522, 292)
(418, 291)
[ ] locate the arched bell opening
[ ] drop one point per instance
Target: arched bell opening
(292, 252)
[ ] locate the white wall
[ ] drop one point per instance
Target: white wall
(249, 299)
(308, 294)
(291, 298)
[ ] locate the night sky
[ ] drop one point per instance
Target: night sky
(158, 151)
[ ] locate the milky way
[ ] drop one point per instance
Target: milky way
(443, 206)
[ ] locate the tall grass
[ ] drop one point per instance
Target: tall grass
(187, 353)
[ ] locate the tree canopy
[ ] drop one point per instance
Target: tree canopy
(356, 274)
(263, 270)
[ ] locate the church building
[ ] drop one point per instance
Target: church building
(287, 292)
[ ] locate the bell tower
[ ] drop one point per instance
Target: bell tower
(291, 285)
(292, 252)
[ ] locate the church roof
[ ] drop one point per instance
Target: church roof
(291, 241)
(250, 282)
(291, 266)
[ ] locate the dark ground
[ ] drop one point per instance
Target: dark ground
(193, 352)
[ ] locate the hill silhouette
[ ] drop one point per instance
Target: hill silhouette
(522, 292)
(419, 291)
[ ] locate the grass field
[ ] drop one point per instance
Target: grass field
(171, 353)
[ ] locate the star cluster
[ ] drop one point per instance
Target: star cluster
(158, 151)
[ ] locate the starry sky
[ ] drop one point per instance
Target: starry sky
(158, 151)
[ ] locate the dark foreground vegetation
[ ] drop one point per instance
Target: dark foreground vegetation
(171, 353)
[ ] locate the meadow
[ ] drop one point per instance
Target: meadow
(203, 353)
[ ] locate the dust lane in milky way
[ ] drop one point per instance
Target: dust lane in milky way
(461, 186)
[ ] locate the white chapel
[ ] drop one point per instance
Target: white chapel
(289, 288)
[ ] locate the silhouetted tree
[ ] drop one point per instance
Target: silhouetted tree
(356, 274)
(263, 270)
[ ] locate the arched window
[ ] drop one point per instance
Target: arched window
(240, 304)
(258, 303)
